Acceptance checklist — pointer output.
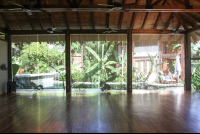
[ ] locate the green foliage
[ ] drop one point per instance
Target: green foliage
(36, 56)
(101, 66)
(139, 78)
(15, 68)
(153, 64)
(160, 73)
(195, 79)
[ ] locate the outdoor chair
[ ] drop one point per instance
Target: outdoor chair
(167, 80)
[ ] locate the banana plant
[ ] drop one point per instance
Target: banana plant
(153, 64)
(101, 65)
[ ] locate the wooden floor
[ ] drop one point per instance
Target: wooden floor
(115, 111)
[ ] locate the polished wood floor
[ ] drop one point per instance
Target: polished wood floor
(142, 111)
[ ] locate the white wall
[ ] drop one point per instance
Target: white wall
(3, 73)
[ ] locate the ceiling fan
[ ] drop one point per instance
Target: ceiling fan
(51, 30)
(109, 30)
(28, 8)
(117, 6)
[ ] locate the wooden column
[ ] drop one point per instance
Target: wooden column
(8, 38)
(182, 60)
(68, 61)
(129, 60)
(187, 85)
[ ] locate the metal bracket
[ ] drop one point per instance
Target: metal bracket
(149, 6)
(189, 7)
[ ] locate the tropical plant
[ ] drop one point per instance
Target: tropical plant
(139, 78)
(160, 79)
(195, 79)
(101, 66)
(36, 55)
(153, 64)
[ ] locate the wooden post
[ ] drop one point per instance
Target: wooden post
(68, 61)
(182, 61)
(8, 38)
(129, 60)
(187, 86)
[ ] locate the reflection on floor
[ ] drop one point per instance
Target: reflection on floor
(87, 111)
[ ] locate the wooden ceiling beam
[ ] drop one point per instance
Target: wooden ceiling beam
(194, 29)
(97, 31)
(40, 20)
(29, 20)
(186, 21)
(180, 2)
(178, 26)
(121, 18)
(134, 17)
(144, 22)
(198, 34)
(67, 21)
(133, 20)
(5, 21)
(192, 17)
(168, 21)
(187, 2)
(38, 2)
(15, 16)
(107, 20)
(97, 8)
(2, 31)
(159, 16)
(69, 2)
(178, 15)
(79, 19)
(198, 1)
(158, 20)
(52, 18)
(157, 2)
(18, 21)
(92, 15)
(148, 2)
(80, 2)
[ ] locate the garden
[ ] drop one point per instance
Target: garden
(100, 65)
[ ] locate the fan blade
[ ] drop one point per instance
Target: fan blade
(38, 9)
(105, 5)
(50, 31)
(53, 28)
(57, 30)
(129, 4)
(109, 10)
(31, 3)
(113, 31)
(29, 13)
(180, 31)
(14, 3)
(14, 9)
(125, 10)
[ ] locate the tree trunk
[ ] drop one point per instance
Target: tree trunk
(151, 70)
